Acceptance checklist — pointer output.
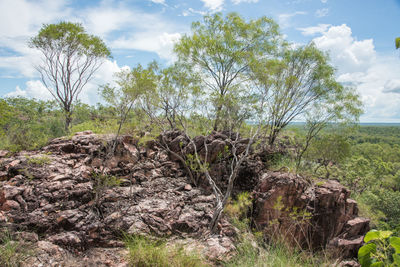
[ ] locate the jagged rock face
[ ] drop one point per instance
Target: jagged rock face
(51, 194)
(216, 150)
(313, 217)
(55, 198)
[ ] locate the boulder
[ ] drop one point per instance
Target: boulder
(313, 216)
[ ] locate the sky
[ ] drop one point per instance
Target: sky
(358, 35)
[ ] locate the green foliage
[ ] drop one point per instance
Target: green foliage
(221, 50)
(380, 249)
(145, 252)
(237, 210)
(132, 85)
(12, 253)
(397, 42)
(304, 74)
(102, 182)
(70, 58)
(39, 160)
(329, 148)
(32, 124)
(67, 37)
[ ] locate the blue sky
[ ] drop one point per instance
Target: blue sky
(358, 34)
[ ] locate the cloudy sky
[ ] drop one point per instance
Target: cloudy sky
(358, 34)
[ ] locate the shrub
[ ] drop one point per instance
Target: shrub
(381, 249)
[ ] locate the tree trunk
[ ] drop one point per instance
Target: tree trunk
(217, 118)
(68, 120)
(216, 216)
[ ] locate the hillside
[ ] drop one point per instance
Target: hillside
(55, 200)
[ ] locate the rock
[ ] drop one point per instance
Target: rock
(312, 216)
(188, 187)
(78, 221)
(28, 237)
(349, 264)
(87, 132)
(67, 239)
(10, 205)
(3, 153)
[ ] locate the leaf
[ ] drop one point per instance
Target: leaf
(397, 42)
(385, 234)
(377, 264)
(395, 243)
(377, 235)
(364, 254)
(396, 259)
(371, 235)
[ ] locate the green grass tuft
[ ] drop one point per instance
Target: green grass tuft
(145, 252)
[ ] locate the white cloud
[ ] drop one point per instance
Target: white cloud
(190, 11)
(348, 53)
(392, 86)
(213, 5)
(324, 1)
(158, 1)
(134, 29)
(284, 19)
(160, 43)
(373, 75)
(309, 31)
(323, 12)
(19, 20)
(34, 89)
(236, 2)
(89, 94)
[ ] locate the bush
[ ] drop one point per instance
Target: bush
(380, 249)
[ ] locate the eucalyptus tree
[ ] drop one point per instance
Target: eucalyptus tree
(296, 82)
(70, 58)
(221, 49)
(174, 97)
(131, 86)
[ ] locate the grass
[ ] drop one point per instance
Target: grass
(12, 252)
(39, 160)
(252, 253)
(145, 252)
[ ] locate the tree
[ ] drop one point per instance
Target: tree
(70, 58)
(175, 94)
(342, 109)
(301, 79)
(221, 50)
(131, 85)
(397, 42)
(6, 115)
(329, 149)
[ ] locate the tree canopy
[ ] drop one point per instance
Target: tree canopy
(70, 58)
(221, 50)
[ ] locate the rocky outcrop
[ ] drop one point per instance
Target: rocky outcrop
(311, 216)
(51, 192)
(54, 194)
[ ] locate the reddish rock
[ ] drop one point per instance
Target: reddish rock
(10, 205)
(58, 200)
(311, 216)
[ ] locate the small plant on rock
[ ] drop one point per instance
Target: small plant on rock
(39, 160)
(101, 183)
